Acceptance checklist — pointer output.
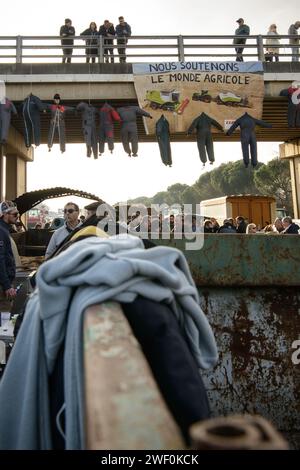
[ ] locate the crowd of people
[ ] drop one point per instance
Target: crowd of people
(178, 224)
(121, 32)
(146, 226)
(273, 43)
(280, 225)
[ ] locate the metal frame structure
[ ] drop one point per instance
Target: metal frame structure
(20, 49)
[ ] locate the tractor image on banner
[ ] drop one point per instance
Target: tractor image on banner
(227, 99)
(166, 100)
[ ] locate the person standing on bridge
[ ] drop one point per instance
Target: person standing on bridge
(123, 32)
(91, 39)
(242, 30)
(272, 42)
(107, 30)
(57, 123)
(294, 41)
(67, 31)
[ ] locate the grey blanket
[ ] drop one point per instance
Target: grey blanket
(91, 271)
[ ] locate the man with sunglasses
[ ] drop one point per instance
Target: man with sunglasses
(8, 216)
(71, 214)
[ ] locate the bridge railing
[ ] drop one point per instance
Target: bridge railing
(36, 49)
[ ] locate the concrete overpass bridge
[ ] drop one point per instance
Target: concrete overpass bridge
(114, 82)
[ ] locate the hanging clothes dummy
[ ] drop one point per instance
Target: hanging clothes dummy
(57, 123)
(107, 116)
(129, 132)
(89, 127)
(6, 109)
(31, 108)
(247, 125)
(293, 95)
(162, 129)
(203, 125)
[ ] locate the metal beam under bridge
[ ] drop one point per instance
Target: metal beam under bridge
(114, 83)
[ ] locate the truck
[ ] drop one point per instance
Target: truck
(260, 210)
(228, 99)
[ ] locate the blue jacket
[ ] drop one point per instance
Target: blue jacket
(123, 30)
(7, 261)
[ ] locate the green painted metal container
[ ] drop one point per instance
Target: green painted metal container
(249, 289)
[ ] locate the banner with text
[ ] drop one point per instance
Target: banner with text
(183, 90)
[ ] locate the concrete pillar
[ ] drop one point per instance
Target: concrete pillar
(291, 151)
(15, 176)
(22, 176)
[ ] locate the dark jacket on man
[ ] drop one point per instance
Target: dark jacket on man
(66, 32)
(105, 32)
(123, 30)
(227, 228)
(292, 229)
(242, 30)
(292, 31)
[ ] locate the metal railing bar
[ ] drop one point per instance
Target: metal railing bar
(202, 47)
(86, 37)
(84, 56)
(219, 46)
(130, 46)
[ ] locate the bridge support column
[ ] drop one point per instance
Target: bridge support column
(15, 176)
(291, 150)
(13, 158)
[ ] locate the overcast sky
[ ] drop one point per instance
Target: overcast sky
(117, 177)
(152, 18)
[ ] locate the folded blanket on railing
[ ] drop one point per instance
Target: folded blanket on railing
(89, 272)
